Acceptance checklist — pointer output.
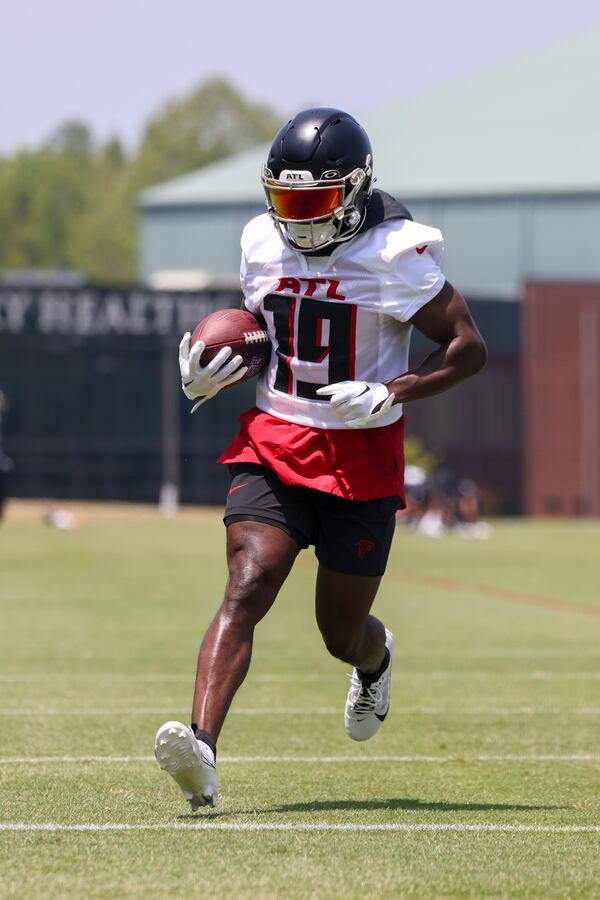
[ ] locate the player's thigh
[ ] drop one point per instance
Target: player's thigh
(259, 559)
(354, 537)
(256, 494)
(343, 603)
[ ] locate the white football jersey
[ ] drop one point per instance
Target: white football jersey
(341, 317)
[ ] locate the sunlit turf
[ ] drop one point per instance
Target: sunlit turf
(497, 666)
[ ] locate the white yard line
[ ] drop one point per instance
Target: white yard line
(115, 678)
(529, 653)
(289, 678)
(517, 675)
(301, 826)
(510, 757)
(169, 710)
(43, 760)
(309, 711)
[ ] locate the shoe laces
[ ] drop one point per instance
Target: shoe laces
(364, 698)
(206, 755)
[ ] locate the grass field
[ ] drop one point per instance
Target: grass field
(484, 781)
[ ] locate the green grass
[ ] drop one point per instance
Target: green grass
(497, 655)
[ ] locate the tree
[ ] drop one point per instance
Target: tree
(103, 244)
(42, 194)
(72, 138)
(71, 202)
(211, 122)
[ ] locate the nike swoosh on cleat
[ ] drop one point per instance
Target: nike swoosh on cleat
(382, 718)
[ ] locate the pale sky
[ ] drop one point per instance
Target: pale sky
(112, 62)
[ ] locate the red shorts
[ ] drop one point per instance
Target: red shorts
(356, 464)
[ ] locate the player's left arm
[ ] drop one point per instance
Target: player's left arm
(460, 353)
(461, 350)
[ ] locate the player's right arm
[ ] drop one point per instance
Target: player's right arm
(199, 382)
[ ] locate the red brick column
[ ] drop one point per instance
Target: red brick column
(561, 399)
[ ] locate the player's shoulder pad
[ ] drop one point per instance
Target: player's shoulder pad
(406, 236)
(258, 235)
(389, 242)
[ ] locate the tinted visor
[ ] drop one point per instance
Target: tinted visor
(300, 204)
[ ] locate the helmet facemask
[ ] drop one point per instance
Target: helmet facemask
(311, 214)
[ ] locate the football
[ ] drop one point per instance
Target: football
(238, 329)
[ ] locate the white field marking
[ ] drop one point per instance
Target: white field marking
(434, 675)
(530, 653)
(300, 826)
(110, 678)
(513, 673)
(42, 760)
(391, 758)
(75, 677)
(315, 711)
(170, 710)
(525, 653)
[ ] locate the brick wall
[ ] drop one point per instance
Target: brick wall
(561, 394)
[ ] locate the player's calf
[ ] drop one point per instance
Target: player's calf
(368, 699)
(364, 649)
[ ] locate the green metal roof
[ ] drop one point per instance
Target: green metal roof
(528, 125)
(234, 180)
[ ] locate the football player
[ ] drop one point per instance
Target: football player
(340, 273)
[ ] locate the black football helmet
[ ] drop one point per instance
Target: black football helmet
(318, 179)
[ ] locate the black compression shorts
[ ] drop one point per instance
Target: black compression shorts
(350, 536)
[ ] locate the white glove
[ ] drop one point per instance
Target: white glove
(354, 401)
(203, 382)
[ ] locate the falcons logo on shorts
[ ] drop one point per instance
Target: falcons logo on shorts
(364, 546)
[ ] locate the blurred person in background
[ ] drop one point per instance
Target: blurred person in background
(340, 274)
(441, 502)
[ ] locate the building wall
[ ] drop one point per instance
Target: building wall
(194, 237)
(475, 429)
(493, 244)
(561, 371)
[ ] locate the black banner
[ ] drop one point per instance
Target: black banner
(100, 311)
(85, 371)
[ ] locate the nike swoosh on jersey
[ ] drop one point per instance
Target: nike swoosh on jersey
(421, 249)
(236, 488)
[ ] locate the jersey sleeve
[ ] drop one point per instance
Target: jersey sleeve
(252, 263)
(413, 276)
(247, 282)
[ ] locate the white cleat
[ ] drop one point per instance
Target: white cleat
(368, 704)
(189, 761)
